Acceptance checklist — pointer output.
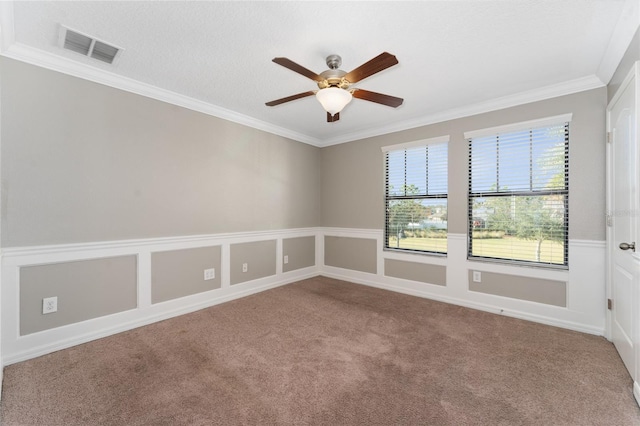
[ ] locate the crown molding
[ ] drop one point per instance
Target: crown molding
(7, 33)
(47, 60)
(547, 92)
(625, 29)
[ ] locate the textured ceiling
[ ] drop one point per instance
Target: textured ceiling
(452, 55)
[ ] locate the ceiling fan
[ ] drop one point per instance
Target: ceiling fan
(334, 84)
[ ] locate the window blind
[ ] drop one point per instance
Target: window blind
(416, 198)
(518, 195)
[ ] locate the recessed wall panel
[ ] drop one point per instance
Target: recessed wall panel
(179, 273)
(525, 288)
(300, 252)
(259, 256)
(358, 254)
(414, 271)
(85, 289)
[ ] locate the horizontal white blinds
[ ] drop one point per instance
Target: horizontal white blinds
(529, 160)
(416, 198)
(518, 195)
(417, 171)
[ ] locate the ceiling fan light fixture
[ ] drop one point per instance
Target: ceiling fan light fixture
(333, 99)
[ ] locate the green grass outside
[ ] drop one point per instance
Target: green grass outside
(550, 251)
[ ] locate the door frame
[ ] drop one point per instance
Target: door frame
(634, 73)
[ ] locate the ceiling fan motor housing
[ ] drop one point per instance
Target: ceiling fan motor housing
(333, 77)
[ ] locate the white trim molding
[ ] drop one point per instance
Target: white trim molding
(514, 127)
(418, 143)
(585, 310)
(623, 33)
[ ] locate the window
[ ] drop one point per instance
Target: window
(519, 192)
(416, 196)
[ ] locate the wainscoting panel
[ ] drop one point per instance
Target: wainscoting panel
(583, 283)
(358, 254)
(300, 253)
(180, 273)
(414, 271)
(364, 263)
(171, 298)
(517, 287)
(253, 260)
(84, 289)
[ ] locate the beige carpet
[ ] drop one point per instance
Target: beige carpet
(327, 352)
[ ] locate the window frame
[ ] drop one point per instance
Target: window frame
(530, 126)
(387, 198)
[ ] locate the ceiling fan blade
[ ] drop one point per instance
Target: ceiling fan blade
(379, 98)
(377, 64)
(332, 118)
(288, 63)
(290, 98)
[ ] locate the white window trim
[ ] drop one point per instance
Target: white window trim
(516, 127)
(421, 142)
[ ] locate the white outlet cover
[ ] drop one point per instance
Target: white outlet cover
(245, 267)
(477, 277)
(49, 305)
(210, 274)
(286, 259)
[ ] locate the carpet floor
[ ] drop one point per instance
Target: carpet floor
(327, 352)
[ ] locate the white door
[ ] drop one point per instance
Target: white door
(624, 256)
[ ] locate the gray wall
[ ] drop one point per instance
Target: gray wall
(358, 254)
(421, 272)
(179, 273)
(353, 173)
(301, 252)
(630, 57)
(85, 162)
(85, 289)
(534, 289)
(260, 257)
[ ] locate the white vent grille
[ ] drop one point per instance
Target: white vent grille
(88, 46)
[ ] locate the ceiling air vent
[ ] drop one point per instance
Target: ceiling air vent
(88, 46)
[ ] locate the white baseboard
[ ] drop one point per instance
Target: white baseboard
(430, 292)
(636, 392)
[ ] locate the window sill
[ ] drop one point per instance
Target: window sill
(415, 256)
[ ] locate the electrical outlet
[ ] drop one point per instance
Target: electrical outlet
(286, 259)
(245, 267)
(210, 274)
(49, 305)
(477, 277)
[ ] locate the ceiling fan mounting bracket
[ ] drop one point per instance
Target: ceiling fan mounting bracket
(334, 62)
